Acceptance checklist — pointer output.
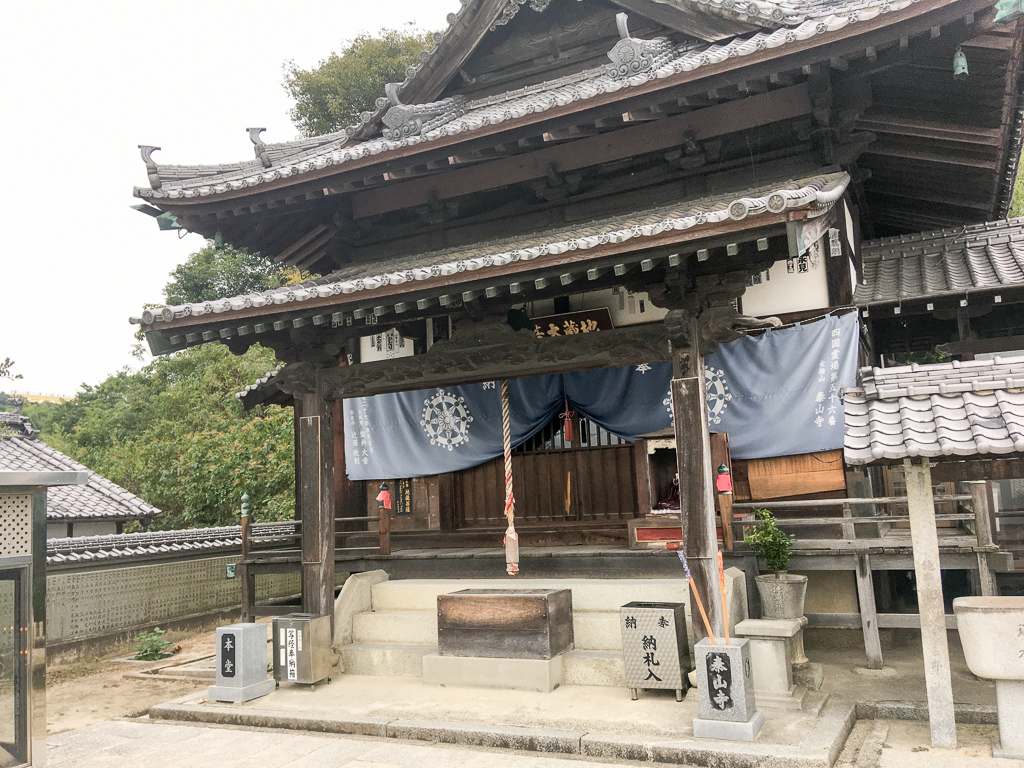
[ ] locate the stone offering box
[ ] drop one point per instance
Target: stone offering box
(241, 663)
(725, 687)
(505, 623)
(654, 647)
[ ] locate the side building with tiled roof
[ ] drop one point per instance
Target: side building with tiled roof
(98, 508)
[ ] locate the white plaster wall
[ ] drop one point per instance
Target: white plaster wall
(783, 291)
(92, 529)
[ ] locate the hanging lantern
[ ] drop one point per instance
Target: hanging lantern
(959, 65)
(724, 480)
(384, 497)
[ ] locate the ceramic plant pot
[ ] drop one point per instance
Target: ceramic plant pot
(782, 595)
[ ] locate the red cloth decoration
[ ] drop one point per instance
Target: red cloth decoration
(724, 483)
(385, 498)
(567, 420)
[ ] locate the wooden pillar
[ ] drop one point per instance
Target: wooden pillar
(935, 649)
(316, 467)
(981, 502)
(696, 498)
(643, 480)
(248, 585)
(868, 612)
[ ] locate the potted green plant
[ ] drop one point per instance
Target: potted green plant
(782, 593)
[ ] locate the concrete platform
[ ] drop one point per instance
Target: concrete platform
(593, 721)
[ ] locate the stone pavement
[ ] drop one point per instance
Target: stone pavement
(142, 744)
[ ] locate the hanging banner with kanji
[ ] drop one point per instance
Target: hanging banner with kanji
(776, 394)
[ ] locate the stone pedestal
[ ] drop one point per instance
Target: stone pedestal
(1010, 705)
(725, 688)
(241, 663)
(542, 675)
(772, 645)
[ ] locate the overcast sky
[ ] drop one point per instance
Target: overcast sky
(85, 83)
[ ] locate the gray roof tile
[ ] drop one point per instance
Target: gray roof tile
(98, 499)
(984, 257)
(814, 193)
(976, 413)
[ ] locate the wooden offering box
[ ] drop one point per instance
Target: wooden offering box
(505, 623)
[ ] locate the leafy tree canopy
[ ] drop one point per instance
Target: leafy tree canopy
(331, 95)
(216, 273)
(174, 434)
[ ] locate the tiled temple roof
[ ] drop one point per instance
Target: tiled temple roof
(786, 24)
(982, 257)
(155, 543)
(949, 409)
(816, 193)
(98, 499)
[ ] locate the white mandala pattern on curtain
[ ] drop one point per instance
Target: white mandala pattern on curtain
(446, 420)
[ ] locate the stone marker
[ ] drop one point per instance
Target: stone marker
(725, 688)
(736, 596)
(771, 656)
(241, 663)
(654, 646)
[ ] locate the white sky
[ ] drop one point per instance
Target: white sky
(85, 83)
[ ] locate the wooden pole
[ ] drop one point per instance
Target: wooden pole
(384, 529)
(868, 613)
(981, 494)
(696, 497)
(935, 648)
(248, 596)
(316, 453)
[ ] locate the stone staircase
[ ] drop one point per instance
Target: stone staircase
(400, 627)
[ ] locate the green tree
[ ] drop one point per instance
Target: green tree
(173, 432)
(5, 369)
(331, 95)
(215, 273)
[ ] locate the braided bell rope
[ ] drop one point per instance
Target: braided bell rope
(511, 537)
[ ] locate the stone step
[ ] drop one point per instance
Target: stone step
(594, 668)
(413, 627)
(592, 631)
(390, 660)
(587, 594)
(406, 660)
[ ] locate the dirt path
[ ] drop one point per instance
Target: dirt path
(90, 692)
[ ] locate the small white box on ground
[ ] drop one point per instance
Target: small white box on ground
(241, 663)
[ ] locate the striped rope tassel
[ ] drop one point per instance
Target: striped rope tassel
(511, 537)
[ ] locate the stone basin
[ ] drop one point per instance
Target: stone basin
(992, 634)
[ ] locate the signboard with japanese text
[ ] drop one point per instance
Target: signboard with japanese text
(654, 646)
(570, 323)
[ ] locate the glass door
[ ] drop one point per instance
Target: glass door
(14, 645)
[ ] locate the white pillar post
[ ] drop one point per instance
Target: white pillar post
(935, 648)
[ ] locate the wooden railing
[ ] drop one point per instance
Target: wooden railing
(848, 522)
(284, 540)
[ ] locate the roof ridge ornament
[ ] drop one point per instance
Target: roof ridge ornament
(147, 151)
(405, 120)
(632, 56)
(259, 146)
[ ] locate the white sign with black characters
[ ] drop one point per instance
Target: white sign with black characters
(654, 645)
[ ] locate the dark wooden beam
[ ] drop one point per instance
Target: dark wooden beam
(974, 347)
(485, 352)
(731, 117)
(316, 465)
(1009, 468)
